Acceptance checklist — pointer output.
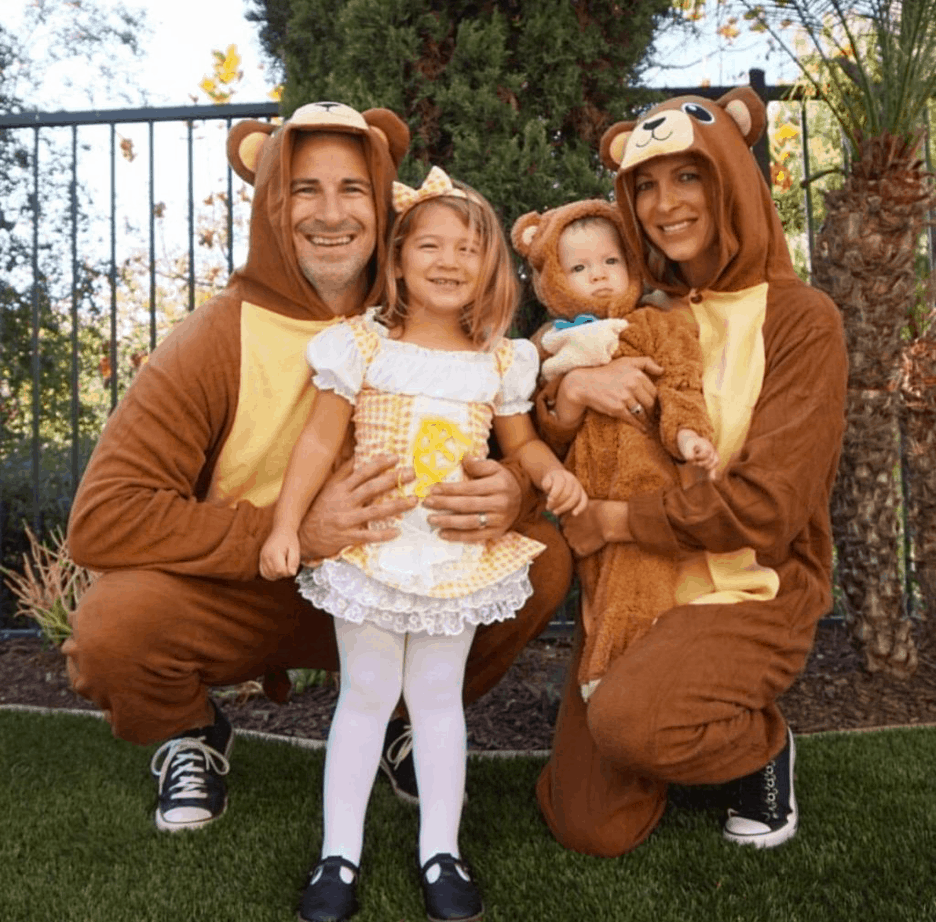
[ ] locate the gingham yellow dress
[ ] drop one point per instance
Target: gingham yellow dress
(429, 407)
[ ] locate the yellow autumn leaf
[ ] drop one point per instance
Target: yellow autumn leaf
(227, 68)
(729, 31)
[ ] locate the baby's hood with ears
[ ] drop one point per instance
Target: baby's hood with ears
(535, 237)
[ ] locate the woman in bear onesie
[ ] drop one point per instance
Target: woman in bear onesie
(694, 700)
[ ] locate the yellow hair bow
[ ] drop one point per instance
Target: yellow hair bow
(435, 184)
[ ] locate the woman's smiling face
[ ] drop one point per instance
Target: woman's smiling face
(672, 205)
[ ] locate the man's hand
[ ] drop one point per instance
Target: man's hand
(480, 508)
(623, 389)
(345, 505)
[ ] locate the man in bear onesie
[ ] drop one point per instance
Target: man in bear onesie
(178, 496)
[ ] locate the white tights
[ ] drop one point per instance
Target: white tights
(376, 666)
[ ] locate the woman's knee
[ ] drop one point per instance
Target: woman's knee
(622, 731)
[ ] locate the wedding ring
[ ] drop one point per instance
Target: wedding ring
(636, 410)
(482, 520)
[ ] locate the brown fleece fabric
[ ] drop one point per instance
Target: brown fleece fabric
(624, 588)
(693, 701)
(180, 607)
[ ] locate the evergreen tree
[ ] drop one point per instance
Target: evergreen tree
(510, 96)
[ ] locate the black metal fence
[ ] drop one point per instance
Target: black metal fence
(79, 268)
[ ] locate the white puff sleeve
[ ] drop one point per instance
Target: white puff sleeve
(336, 361)
(519, 380)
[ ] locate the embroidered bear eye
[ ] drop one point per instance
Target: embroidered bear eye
(699, 113)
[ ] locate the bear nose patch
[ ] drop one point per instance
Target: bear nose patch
(652, 126)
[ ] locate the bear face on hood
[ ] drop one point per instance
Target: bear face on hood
(582, 332)
(535, 237)
(750, 239)
(261, 154)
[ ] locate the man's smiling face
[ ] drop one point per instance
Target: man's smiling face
(334, 220)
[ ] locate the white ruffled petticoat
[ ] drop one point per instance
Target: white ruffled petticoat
(345, 591)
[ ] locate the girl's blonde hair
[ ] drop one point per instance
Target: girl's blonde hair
(489, 316)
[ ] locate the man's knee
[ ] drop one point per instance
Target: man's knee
(117, 622)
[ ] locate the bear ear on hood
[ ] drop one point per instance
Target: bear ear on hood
(747, 110)
(393, 131)
(524, 232)
(245, 144)
(613, 142)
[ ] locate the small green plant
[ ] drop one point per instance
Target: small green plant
(50, 586)
(310, 678)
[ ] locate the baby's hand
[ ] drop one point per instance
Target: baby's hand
(279, 556)
(564, 493)
(698, 451)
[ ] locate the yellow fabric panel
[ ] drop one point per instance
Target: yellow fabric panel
(272, 405)
(731, 334)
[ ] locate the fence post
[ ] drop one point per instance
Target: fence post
(761, 147)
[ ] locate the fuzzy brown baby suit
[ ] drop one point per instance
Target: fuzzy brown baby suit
(624, 588)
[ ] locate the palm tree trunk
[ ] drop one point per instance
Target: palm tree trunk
(918, 387)
(865, 261)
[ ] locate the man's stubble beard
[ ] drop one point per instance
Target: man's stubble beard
(333, 281)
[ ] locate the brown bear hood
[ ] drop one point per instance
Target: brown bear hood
(536, 238)
(261, 154)
(751, 243)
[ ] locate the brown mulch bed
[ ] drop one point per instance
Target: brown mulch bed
(833, 693)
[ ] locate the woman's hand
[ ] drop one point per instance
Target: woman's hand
(623, 389)
(603, 521)
(345, 506)
(481, 508)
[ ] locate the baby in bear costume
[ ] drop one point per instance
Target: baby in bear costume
(590, 285)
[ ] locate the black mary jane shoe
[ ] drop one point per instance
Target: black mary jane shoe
(327, 898)
(453, 895)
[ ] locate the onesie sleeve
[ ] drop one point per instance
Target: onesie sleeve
(785, 470)
(337, 361)
(141, 503)
(519, 380)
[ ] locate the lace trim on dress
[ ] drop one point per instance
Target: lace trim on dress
(346, 592)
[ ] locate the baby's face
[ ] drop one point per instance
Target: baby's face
(593, 261)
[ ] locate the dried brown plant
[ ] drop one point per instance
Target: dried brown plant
(50, 586)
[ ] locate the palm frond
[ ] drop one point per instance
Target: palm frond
(872, 61)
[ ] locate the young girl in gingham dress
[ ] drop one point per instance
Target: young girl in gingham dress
(425, 378)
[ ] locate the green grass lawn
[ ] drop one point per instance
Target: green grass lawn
(77, 842)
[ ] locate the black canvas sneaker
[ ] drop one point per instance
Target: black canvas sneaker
(763, 806)
(190, 769)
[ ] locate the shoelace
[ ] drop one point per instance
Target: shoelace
(400, 748)
(758, 794)
(183, 765)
